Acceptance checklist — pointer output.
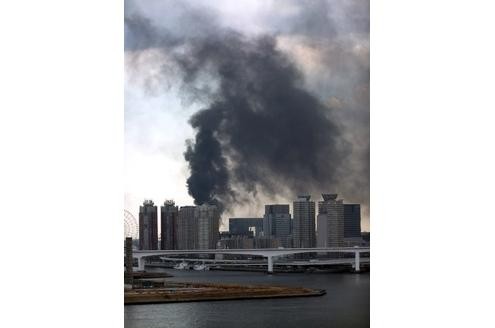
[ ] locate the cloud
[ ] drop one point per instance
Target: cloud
(285, 101)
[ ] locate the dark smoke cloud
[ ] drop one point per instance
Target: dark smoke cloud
(338, 30)
(260, 130)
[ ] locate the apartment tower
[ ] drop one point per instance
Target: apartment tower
(168, 218)
(186, 228)
(207, 218)
(148, 226)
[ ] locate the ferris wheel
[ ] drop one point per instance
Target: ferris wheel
(131, 228)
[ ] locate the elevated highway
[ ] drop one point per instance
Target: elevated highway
(269, 253)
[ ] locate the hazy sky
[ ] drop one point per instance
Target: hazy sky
(328, 42)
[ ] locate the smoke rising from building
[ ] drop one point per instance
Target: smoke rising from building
(260, 131)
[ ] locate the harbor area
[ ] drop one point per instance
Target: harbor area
(337, 265)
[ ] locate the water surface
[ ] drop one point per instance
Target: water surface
(346, 303)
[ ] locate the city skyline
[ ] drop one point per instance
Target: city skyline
(335, 224)
(224, 222)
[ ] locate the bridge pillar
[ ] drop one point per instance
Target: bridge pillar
(356, 262)
(141, 263)
(270, 264)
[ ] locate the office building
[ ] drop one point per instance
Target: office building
(235, 241)
(303, 223)
(330, 222)
(186, 228)
(168, 219)
(246, 226)
(267, 242)
(240, 241)
(207, 218)
(352, 221)
(148, 226)
(277, 223)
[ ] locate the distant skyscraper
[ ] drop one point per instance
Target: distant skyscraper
(207, 217)
(246, 226)
(321, 230)
(330, 222)
(168, 217)
(266, 242)
(303, 223)
(148, 226)
(366, 236)
(277, 223)
(352, 221)
(235, 241)
(187, 228)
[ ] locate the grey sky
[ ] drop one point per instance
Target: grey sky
(327, 40)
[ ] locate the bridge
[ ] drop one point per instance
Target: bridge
(269, 253)
(248, 263)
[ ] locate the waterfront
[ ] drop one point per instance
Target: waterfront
(346, 303)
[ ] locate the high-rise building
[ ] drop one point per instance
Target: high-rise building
(303, 223)
(246, 226)
(128, 275)
(148, 225)
(242, 241)
(330, 222)
(235, 241)
(321, 230)
(186, 228)
(277, 223)
(352, 221)
(168, 218)
(266, 242)
(207, 217)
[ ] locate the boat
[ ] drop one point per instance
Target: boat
(182, 266)
(201, 267)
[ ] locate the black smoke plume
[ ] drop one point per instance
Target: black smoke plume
(260, 130)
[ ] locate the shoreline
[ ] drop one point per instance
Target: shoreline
(277, 269)
(201, 292)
